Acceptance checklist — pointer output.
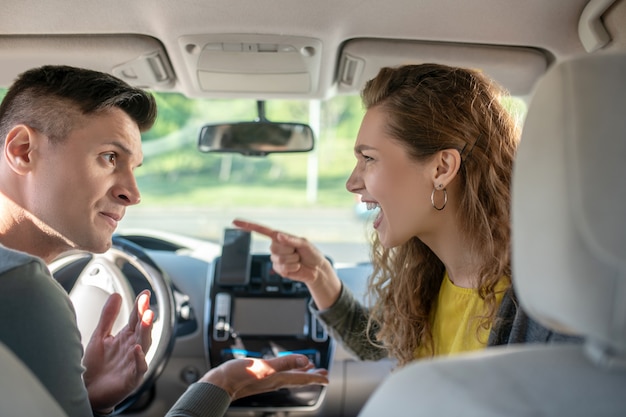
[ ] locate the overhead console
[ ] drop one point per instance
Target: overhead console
(252, 63)
(257, 313)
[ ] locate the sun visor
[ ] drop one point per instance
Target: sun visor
(517, 69)
(244, 63)
(139, 60)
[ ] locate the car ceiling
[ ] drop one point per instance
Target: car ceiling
(337, 45)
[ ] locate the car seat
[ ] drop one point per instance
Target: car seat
(569, 266)
(21, 393)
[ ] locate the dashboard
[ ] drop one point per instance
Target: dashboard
(230, 303)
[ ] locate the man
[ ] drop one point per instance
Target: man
(71, 139)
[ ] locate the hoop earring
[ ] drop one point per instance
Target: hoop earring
(445, 199)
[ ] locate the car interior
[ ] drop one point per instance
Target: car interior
(214, 291)
(21, 392)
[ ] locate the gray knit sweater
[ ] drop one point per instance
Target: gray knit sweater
(346, 321)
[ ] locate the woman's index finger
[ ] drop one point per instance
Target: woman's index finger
(255, 227)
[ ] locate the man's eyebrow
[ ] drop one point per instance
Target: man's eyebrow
(124, 149)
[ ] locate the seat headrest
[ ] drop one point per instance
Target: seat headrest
(569, 201)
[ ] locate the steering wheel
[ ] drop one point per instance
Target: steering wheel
(126, 269)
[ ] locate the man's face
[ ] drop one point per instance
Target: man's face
(81, 187)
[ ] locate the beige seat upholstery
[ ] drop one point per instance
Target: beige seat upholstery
(21, 393)
(569, 265)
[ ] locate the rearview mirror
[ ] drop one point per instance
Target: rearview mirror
(256, 138)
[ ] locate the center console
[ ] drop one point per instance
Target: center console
(257, 313)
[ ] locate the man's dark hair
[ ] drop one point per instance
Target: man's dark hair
(52, 99)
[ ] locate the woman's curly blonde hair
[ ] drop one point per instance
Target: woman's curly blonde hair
(429, 108)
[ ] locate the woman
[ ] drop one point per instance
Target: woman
(435, 154)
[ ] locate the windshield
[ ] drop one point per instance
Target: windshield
(197, 194)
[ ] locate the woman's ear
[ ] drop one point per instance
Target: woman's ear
(447, 165)
(18, 146)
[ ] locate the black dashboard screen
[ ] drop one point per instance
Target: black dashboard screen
(270, 316)
(234, 267)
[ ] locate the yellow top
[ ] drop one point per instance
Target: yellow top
(456, 319)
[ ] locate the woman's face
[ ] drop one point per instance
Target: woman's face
(386, 177)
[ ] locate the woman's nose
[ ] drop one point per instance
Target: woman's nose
(353, 184)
